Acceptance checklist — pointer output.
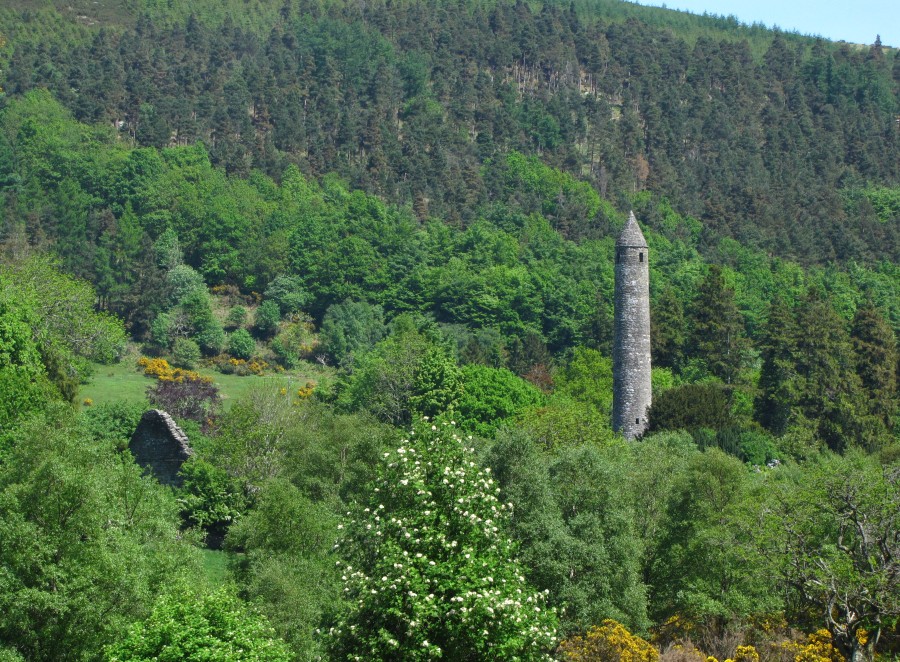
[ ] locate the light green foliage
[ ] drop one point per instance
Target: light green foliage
(706, 563)
(557, 194)
(428, 571)
(211, 628)
(86, 540)
(565, 421)
(576, 528)
(285, 565)
(61, 313)
(240, 344)
(113, 422)
(17, 347)
(493, 398)
(21, 394)
(407, 373)
(183, 281)
(587, 377)
(834, 538)
(351, 329)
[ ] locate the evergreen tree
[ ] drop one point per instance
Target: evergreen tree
(875, 350)
(777, 381)
(717, 334)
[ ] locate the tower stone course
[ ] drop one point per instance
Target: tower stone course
(631, 332)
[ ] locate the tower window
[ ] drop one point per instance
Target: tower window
(641, 257)
(637, 421)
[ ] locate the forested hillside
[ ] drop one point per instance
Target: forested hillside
(785, 145)
(363, 254)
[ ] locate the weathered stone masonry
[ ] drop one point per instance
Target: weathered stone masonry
(160, 446)
(631, 339)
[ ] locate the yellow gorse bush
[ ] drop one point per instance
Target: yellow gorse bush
(161, 369)
(608, 642)
(816, 648)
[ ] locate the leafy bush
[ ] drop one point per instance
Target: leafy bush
(351, 329)
(213, 628)
(428, 571)
(183, 281)
(209, 498)
(288, 293)
(267, 318)
(691, 407)
(241, 344)
(185, 353)
(493, 397)
(236, 318)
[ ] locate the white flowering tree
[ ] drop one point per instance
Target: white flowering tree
(428, 571)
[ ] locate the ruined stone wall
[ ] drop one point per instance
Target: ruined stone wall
(160, 446)
(631, 342)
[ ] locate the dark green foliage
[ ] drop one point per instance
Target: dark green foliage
(875, 350)
(114, 422)
(774, 404)
(667, 330)
(706, 566)
(691, 407)
(577, 532)
(240, 344)
(266, 319)
(285, 563)
(717, 335)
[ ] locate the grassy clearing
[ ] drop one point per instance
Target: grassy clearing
(215, 564)
(125, 381)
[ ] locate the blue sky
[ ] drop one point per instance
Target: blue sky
(856, 21)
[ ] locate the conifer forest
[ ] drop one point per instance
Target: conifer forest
(363, 255)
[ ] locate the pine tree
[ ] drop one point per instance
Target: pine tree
(777, 380)
(717, 334)
(875, 351)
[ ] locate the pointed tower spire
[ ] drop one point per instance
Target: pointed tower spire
(631, 332)
(631, 234)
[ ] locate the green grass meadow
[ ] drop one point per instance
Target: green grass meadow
(126, 381)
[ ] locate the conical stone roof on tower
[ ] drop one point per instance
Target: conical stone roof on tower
(631, 332)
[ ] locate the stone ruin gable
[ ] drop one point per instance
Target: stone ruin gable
(160, 447)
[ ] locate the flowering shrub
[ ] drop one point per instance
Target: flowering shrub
(816, 648)
(161, 369)
(608, 642)
(428, 571)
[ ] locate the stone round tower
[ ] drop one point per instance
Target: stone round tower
(631, 333)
